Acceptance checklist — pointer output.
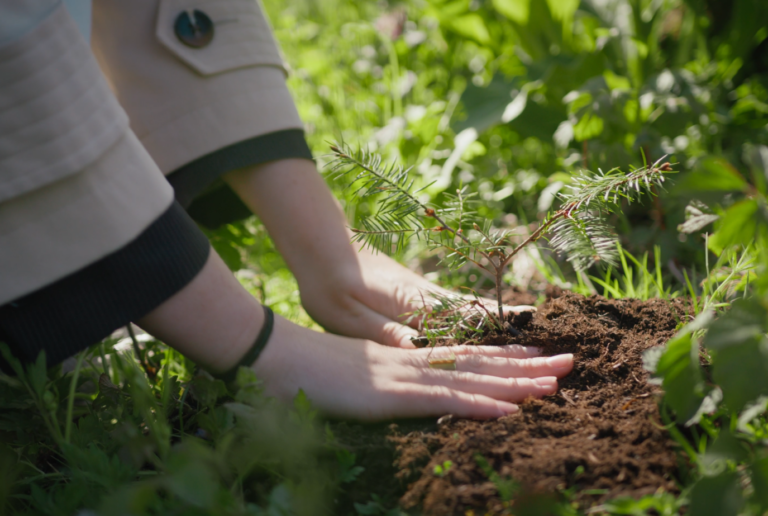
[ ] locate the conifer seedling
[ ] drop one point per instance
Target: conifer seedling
(578, 229)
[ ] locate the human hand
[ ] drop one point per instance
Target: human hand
(357, 294)
(214, 321)
(359, 379)
(370, 300)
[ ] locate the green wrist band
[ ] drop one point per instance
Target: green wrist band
(253, 353)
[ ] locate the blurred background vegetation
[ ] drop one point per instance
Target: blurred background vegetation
(511, 96)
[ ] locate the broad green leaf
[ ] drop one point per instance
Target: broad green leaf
(562, 10)
(712, 174)
(471, 26)
(485, 105)
(742, 372)
(590, 126)
(717, 496)
(726, 448)
(739, 350)
(516, 10)
(195, 483)
(738, 226)
(746, 321)
(759, 471)
(682, 380)
(616, 82)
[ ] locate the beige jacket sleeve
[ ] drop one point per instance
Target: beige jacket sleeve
(186, 102)
(75, 184)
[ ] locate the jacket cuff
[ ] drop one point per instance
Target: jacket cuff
(84, 307)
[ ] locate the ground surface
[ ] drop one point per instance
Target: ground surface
(601, 433)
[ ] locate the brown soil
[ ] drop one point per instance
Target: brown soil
(600, 432)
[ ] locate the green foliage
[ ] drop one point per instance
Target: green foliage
(153, 443)
(577, 229)
(505, 101)
(734, 347)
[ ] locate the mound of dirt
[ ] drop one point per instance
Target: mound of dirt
(601, 433)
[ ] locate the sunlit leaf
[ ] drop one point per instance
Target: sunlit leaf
(712, 174)
(682, 379)
(471, 26)
(589, 126)
(516, 10)
(562, 9)
(738, 226)
(739, 349)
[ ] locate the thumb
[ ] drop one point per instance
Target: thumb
(396, 335)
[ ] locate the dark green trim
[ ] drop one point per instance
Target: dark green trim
(88, 305)
(258, 346)
(200, 189)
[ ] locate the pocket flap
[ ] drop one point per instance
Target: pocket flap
(241, 35)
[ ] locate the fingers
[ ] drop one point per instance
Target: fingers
(500, 389)
(482, 373)
(394, 334)
(510, 351)
(504, 361)
(383, 330)
(438, 400)
(556, 366)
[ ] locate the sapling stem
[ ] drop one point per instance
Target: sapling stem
(577, 230)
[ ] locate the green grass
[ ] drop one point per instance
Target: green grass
(118, 435)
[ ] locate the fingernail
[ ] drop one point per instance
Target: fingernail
(532, 351)
(507, 408)
(519, 308)
(561, 361)
(548, 382)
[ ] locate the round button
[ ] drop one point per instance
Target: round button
(194, 29)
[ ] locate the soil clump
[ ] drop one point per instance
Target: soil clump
(600, 434)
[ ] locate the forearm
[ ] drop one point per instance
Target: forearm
(213, 320)
(301, 215)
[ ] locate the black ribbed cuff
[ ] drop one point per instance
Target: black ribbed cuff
(208, 199)
(86, 306)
